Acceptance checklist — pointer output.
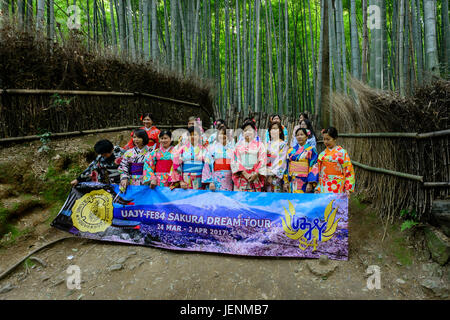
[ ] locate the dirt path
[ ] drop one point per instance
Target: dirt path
(152, 273)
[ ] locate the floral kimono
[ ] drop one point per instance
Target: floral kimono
(276, 164)
(188, 162)
(336, 174)
(132, 165)
(185, 139)
(159, 164)
(153, 138)
(301, 169)
(252, 158)
(285, 132)
(217, 168)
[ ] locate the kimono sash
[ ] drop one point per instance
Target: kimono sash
(163, 166)
(137, 169)
(300, 167)
(332, 168)
(193, 167)
(222, 164)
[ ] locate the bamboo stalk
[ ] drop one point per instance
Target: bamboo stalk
(436, 184)
(94, 93)
(396, 134)
(390, 172)
(79, 133)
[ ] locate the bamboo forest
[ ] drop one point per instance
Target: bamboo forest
(272, 56)
(230, 150)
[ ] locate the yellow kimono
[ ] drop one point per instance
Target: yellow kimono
(336, 174)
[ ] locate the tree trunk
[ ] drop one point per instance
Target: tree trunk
(401, 37)
(173, 26)
(258, 59)
(429, 10)
(131, 42)
(324, 102)
(194, 44)
(155, 46)
(145, 26)
(167, 36)
(185, 37)
(356, 61)
(365, 49)
(341, 44)
(238, 66)
(113, 24)
(286, 31)
(40, 12)
(446, 36)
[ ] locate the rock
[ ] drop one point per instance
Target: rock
(438, 244)
(400, 281)
(440, 212)
(132, 253)
(432, 269)
(321, 270)
(40, 261)
(436, 286)
(8, 287)
(116, 267)
(122, 260)
(323, 259)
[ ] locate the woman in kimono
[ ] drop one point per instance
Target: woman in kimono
(213, 137)
(305, 123)
(185, 136)
(249, 161)
(188, 161)
(301, 174)
(241, 135)
(131, 167)
(276, 158)
(217, 168)
(275, 118)
(158, 164)
(152, 132)
(336, 174)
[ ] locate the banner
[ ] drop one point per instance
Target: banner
(240, 223)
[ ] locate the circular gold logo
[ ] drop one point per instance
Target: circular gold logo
(93, 212)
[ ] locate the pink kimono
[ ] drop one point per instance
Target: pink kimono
(250, 157)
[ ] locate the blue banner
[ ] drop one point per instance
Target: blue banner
(241, 223)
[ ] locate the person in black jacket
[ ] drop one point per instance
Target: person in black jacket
(104, 168)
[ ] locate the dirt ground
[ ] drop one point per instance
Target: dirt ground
(118, 271)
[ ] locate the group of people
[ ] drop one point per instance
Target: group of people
(269, 163)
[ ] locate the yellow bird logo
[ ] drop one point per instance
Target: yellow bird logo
(308, 234)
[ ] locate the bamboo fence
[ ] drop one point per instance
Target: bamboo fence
(25, 112)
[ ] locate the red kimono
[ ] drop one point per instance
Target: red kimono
(153, 137)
